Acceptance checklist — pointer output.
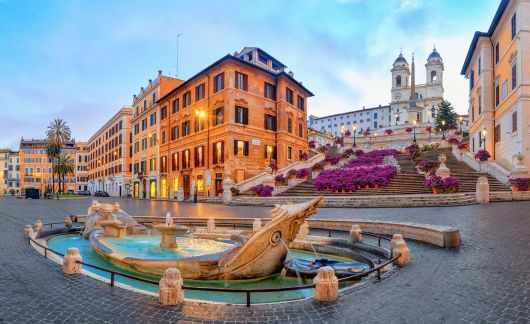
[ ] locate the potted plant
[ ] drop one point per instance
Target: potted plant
(303, 156)
(302, 173)
(292, 174)
(358, 153)
(408, 130)
(280, 180)
(434, 184)
(428, 167)
(482, 155)
(262, 190)
(520, 184)
(463, 147)
(451, 185)
(389, 132)
(347, 133)
(453, 141)
(312, 144)
(273, 166)
(235, 191)
(429, 129)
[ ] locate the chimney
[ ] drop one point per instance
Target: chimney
(159, 72)
(150, 82)
(291, 74)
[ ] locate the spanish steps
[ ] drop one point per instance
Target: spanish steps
(408, 181)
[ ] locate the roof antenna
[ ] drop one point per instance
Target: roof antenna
(178, 35)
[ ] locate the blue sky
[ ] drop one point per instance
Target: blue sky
(83, 60)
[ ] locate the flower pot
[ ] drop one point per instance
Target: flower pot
(376, 186)
(367, 187)
(515, 188)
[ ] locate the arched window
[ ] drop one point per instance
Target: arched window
(433, 76)
(398, 81)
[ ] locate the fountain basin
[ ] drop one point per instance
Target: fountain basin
(169, 234)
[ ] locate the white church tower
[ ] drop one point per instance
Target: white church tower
(412, 101)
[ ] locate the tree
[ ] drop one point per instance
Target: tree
(63, 167)
(58, 135)
(446, 116)
(53, 150)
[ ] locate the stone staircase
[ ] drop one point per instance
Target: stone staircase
(408, 182)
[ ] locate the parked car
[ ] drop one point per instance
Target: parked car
(83, 193)
(101, 194)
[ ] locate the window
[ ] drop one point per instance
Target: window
(186, 159)
(199, 92)
(152, 164)
(497, 53)
(219, 82)
(144, 124)
(186, 128)
(163, 136)
(497, 137)
(375, 115)
(504, 90)
(433, 76)
(497, 94)
(472, 110)
(289, 95)
(145, 105)
(479, 98)
(152, 139)
(144, 144)
(300, 130)
(199, 156)
(154, 97)
(174, 133)
(514, 25)
(163, 164)
(218, 152)
(199, 124)
(136, 147)
(514, 76)
(219, 116)
(240, 148)
(187, 99)
(270, 152)
(163, 113)
(398, 81)
(290, 125)
(174, 161)
(471, 80)
(241, 115)
(270, 122)
(152, 118)
(136, 129)
(301, 103)
(269, 91)
(175, 106)
(241, 81)
(514, 121)
(479, 65)
(289, 153)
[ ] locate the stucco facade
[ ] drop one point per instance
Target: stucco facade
(498, 68)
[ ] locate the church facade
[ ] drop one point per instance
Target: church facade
(410, 101)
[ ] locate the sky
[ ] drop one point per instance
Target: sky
(83, 60)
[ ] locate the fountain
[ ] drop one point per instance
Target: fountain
(169, 232)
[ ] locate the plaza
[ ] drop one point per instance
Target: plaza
(484, 280)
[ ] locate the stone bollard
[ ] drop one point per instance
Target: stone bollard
(401, 248)
(210, 224)
(28, 232)
(256, 226)
(171, 292)
(68, 222)
(38, 225)
(483, 191)
(443, 171)
(303, 232)
(70, 265)
(228, 183)
(327, 285)
(355, 234)
(395, 238)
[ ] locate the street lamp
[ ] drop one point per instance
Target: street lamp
(414, 131)
(269, 153)
(483, 139)
(443, 129)
(354, 131)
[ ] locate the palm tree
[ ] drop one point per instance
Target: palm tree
(64, 167)
(53, 150)
(58, 134)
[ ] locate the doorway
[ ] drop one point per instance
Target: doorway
(186, 185)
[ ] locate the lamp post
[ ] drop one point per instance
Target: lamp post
(354, 131)
(483, 139)
(269, 153)
(443, 129)
(414, 131)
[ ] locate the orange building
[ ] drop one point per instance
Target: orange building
(498, 68)
(145, 138)
(238, 114)
(110, 156)
(36, 166)
(81, 165)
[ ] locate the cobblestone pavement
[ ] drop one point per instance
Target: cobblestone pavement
(486, 280)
